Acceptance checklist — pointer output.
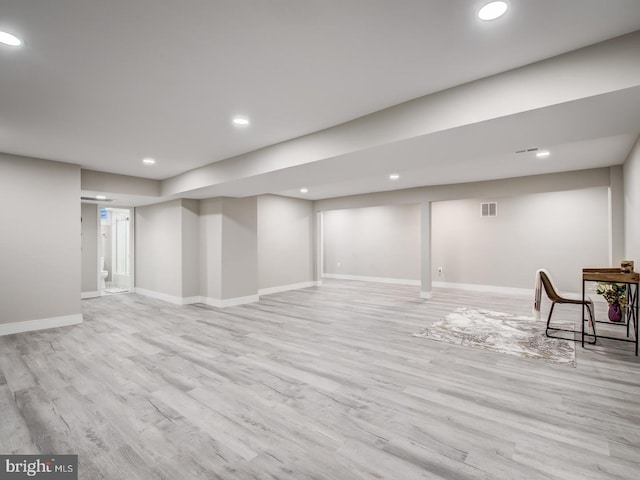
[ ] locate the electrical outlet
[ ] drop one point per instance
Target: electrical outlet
(339, 264)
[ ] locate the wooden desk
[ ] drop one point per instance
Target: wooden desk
(615, 275)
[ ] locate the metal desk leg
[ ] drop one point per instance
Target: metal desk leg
(634, 313)
(583, 307)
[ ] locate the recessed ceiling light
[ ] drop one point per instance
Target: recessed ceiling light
(543, 154)
(241, 121)
(492, 10)
(100, 197)
(9, 39)
(148, 161)
(394, 176)
(304, 190)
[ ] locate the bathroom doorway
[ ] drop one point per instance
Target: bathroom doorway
(115, 267)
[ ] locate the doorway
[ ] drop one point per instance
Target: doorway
(115, 251)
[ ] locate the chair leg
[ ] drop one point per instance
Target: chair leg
(549, 327)
(549, 321)
(555, 329)
(592, 321)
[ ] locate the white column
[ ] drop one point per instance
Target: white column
(425, 250)
(616, 216)
(319, 249)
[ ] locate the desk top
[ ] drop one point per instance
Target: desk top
(609, 275)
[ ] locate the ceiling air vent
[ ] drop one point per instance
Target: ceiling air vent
(489, 209)
(92, 199)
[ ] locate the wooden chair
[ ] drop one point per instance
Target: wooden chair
(555, 298)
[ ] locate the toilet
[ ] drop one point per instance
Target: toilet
(104, 273)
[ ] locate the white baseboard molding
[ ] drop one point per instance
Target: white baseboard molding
(214, 302)
(485, 288)
(364, 278)
(190, 300)
(511, 290)
(39, 324)
(159, 296)
(85, 295)
(168, 298)
(286, 288)
(229, 302)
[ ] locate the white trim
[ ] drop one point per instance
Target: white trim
(159, 296)
(229, 302)
(485, 288)
(214, 302)
(426, 295)
(132, 249)
(169, 298)
(363, 278)
(511, 290)
(85, 295)
(286, 288)
(190, 300)
(39, 324)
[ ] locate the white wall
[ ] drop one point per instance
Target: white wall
(40, 243)
(632, 205)
(228, 250)
(159, 248)
(381, 242)
(90, 228)
(167, 250)
(285, 241)
(190, 248)
(110, 182)
(239, 248)
(210, 248)
(560, 231)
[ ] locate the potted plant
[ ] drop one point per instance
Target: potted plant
(616, 296)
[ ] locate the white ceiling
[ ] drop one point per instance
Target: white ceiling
(104, 84)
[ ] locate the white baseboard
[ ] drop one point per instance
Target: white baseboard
(190, 300)
(485, 288)
(214, 302)
(509, 290)
(363, 278)
(229, 302)
(169, 298)
(286, 288)
(159, 296)
(39, 324)
(85, 295)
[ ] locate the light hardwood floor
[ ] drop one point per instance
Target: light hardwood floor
(320, 383)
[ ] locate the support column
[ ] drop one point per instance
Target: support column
(228, 251)
(239, 272)
(616, 216)
(319, 249)
(425, 250)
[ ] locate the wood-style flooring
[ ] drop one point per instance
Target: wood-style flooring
(320, 383)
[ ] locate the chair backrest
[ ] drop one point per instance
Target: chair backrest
(549, 288)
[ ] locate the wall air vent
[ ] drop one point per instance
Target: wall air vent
(489, 209)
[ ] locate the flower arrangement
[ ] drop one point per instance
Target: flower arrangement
(613, 293)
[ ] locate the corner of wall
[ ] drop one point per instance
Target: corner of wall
(631, 182)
